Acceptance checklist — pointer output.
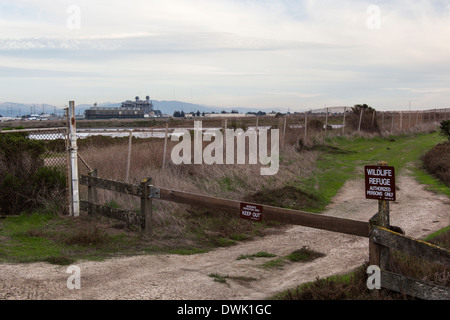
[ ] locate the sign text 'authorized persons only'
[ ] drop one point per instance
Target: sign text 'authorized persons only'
(380, 182)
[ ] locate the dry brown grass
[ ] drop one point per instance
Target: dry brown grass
(238, 182)
(225, 181)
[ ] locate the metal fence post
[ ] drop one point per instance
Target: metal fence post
(73, 160)
(69, 173)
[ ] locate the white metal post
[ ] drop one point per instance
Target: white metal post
(74, 160)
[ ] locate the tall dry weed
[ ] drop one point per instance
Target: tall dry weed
(231, 181)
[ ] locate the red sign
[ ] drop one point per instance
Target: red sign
(252, 212)
(380, 182)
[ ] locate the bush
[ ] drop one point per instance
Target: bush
(437, 162)
(25, 183)
(445, 128)
(368, 121)
(315, 124)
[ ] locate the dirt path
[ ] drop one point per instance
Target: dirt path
(417, 211)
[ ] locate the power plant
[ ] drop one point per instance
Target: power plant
(128, 110)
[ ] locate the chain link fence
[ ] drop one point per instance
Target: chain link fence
(33, 171)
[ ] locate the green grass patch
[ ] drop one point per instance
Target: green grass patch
(341, 159)
(261, 254)
(217, 277)
(437, 234)
(186, 251)
(277, 263)
(304, 254)
(62, 240)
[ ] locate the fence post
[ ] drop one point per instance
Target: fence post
(380, 255)
(92, 192)
(74, 160)
(392, 124)
(130, 141)
(146, 207)
(306, 127)
(373, 119)
(360, 119)
(69, 173)
(401, 121)
(343, 121)
(165, 145)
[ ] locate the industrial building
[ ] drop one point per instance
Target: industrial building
(128, 110)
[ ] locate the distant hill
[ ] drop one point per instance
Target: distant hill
(14, 109)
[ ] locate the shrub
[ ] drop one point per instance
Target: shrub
(25, 183)
(315, 124)
(88, 237)
(368, 121)
(437, 162)
(445, 128)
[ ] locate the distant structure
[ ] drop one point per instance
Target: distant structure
(128, 110)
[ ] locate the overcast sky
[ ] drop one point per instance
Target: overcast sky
(284, 54)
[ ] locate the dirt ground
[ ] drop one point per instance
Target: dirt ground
(169, 277)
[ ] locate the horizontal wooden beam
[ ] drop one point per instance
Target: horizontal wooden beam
(129, 217)
(318, 221)
(413, 287)
(289, 216)
(121, 187)
(393, 240)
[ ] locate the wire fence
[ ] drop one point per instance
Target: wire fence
(119, 153)
(128, 154)
(35, 163)
(33, 170)
(318, 124)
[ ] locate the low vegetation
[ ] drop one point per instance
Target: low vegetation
(437, 162)
(311, 172)
(304, 254)
(26, 183)
(353, 286)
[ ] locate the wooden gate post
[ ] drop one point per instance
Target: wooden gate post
(92, 192)
(146, 207)
(380, 255)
